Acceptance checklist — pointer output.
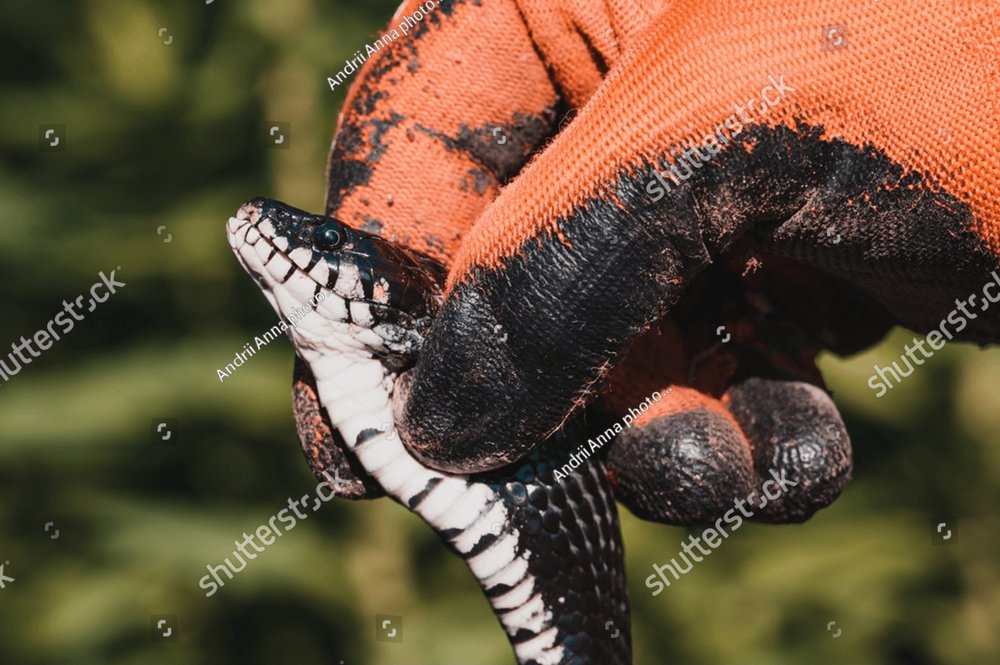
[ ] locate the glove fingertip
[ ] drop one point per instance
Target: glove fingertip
(461, 409)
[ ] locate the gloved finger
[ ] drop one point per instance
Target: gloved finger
(416, 168)
(801, 450)
(681, 454)
(515, 348)
(682, 461)
(769, 383)
(694, 459)
(778, 454)
(891, 213)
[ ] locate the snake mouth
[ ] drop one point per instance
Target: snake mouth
(383, 294)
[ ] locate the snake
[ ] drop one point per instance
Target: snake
(546, 550)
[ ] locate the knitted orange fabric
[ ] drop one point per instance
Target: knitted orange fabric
(918, 82)
(418, 106)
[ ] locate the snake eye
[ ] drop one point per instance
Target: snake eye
(328, 237)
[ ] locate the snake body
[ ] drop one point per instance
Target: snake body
(547, 553)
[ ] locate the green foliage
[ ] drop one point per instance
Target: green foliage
(172, 135)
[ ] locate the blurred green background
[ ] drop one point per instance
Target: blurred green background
(172, 135)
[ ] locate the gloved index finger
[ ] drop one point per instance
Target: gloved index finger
(519, 342)
(567, 265)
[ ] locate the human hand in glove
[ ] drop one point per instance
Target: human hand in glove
(735, 192)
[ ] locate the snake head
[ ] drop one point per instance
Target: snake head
(336, 285)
